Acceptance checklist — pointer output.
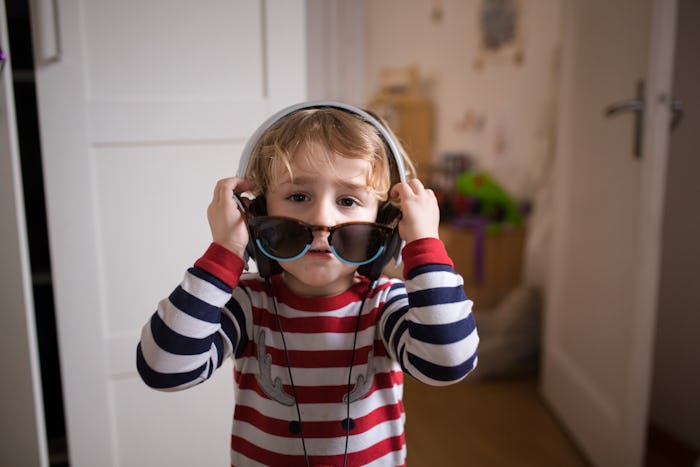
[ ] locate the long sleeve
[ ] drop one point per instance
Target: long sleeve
(427, 323)
(192, 332)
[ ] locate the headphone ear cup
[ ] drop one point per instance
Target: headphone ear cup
(387, 214)
(266, 266)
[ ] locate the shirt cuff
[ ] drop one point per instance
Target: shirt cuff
(222, 263)
(424, 251)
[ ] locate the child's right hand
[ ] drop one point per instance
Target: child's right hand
(226, 222)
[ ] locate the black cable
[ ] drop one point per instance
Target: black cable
(352, 362)
(291, 379)
(289, 371)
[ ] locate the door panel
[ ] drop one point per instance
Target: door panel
(148, 105)
(601, 291)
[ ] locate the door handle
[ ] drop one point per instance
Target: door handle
(45, 13)
(676, 113)
(636, 106)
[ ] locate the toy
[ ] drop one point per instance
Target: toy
(478, 195)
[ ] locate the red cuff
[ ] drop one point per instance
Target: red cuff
(222, 263)
(424, 251)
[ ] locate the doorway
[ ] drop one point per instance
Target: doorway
(19, 32)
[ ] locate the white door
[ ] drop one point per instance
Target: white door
(601, 299)
(22, 442)
(143, 105)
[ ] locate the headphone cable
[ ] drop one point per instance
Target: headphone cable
(352, 362)
(291, 379)
(289, 371)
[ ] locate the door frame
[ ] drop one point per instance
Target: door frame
(23, 426)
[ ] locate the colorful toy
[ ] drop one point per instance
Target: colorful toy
(479, 195)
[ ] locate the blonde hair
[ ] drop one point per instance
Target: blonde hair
(340, 132)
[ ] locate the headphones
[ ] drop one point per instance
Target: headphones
(386, 214)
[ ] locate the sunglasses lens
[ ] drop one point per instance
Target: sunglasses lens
(358, 243)
(280, 239)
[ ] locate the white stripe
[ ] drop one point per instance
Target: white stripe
(446, 354)
(320, 341)
(317, 376)
(166, 362)
(240, 460)
(184, 324)
(434, 279)
(446, 313)
(369, 438)
(391, 459)
(204, 290)
(319, 412)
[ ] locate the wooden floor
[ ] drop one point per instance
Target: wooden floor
(484, 424)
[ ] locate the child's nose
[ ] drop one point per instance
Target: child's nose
(323, 214)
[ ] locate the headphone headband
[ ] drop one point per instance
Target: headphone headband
(386, 136)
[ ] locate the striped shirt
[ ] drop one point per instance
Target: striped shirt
(422, 326)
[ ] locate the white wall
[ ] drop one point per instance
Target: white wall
(516, 100)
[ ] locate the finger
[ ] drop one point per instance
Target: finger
(223, 188)
(416, 185)
(226, 187)
(400, 190)
(244, 185)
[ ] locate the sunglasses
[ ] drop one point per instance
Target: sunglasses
(286, 239)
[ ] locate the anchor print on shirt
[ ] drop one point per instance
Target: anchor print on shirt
(275, 390)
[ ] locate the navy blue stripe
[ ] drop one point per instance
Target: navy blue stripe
(428, 268)
(441, 334)
(239, 341)
(193, 306)
(391, 322)
(403, 327)
(219, 344)
(442, 373)
(437, 296)
(397, 292)
(163, 380)
(175, 343)
(400, 357)
(204, 275)
(396, 288)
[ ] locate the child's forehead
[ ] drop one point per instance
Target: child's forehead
(306, 168)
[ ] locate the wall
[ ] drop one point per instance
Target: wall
(499, 107)
(676, 379)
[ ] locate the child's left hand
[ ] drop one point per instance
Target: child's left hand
(419, 206)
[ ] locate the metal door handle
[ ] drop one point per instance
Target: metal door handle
(45, 13)
(676, 113)
(637, 107)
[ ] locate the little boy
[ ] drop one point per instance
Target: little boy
(319, 348)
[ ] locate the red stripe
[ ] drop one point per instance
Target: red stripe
(363, 457)
(376, 451)
(317, 358)
(318, 429)
(314, 324)
(222, 263)
(315, 304)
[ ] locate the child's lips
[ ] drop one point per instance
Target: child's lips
(320, 252)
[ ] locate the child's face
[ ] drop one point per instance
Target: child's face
(326, 195)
